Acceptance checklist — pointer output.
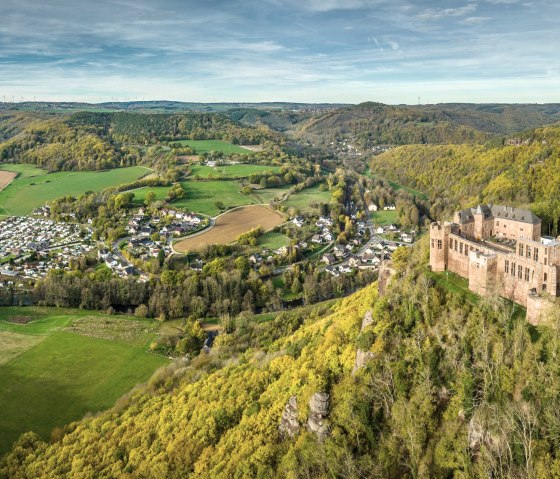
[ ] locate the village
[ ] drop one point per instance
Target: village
(31, 247)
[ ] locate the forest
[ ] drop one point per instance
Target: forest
(463, 175)
(448, 388)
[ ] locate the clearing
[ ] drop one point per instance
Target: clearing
(232, 171)
(384, 217)
(66, 363)
(27, 193)
(207, 146)
(230, 225)
(308, 200)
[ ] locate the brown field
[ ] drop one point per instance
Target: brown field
(6, 177)
(230, 225)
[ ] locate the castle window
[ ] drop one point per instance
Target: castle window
(439, 244)
(528, 251)
(545, 261)
(536, 254)
(456, 244)
(461, 248)
(513, 269)
(451, 242)
(497, 223)
(520, 250)
(520, 271)
(506, 267)
(433, 243)
(545, 277)
(466, 250)
(526, 274)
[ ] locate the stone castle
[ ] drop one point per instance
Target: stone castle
(500, 250)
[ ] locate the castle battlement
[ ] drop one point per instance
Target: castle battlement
(499, 249)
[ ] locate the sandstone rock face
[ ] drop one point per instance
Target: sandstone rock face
(318, 413)
(368, 319)
(362, 358)
(475, 436)
(289, 424)
(386, 273)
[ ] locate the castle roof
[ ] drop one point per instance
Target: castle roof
(499, 211)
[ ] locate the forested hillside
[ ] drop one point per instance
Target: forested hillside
(98, 141)
(447, 389)
(370, 124)
(463, 175)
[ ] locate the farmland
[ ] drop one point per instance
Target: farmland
(383, 217)
(201, 196)
(6, 177)
(230, 225)
(232, 171)
(306, 201)
(207, 146)
(33, 188)
(58, 365)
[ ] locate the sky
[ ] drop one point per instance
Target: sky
(340, 51)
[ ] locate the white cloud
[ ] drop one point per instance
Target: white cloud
(436, 14)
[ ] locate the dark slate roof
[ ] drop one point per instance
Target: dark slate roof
(516, 214)
(498, 211)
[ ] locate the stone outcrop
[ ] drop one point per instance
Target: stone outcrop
(318, 413)
(368, 319)
(386, 273)
(289, 424)
(362, 357)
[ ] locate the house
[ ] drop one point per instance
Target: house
(328, 258)
(332, 270)
(298, 221)
(317, 239)
(372, 207)
(406, 238)
(255, 258)
(379, 230)
(339, 250)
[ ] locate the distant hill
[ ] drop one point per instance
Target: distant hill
(370, 124)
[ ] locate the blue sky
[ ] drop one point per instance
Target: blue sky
(393, 51)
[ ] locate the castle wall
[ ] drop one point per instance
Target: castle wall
(483, 273)
(538, 308)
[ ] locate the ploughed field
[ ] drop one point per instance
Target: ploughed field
(230, 225)
(57, 365)
(6, 178)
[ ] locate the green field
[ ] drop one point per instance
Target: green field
(273, 240)
(140, 193)
(383, 217)
(25, 171)
(397, 186)
(266, 195)
(231, 171)
(201, 196)
(306, 199)
(26, 192)
(207, 146)
(64, 364)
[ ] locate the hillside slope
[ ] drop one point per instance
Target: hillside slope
(464, 175)
(370, 124)
(450, 389)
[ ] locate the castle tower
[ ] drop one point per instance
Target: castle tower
(478, 223)
(483, 269)
(439, 245)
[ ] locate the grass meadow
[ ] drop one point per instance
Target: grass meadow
(207, 146)
(34, 187)
(64, 364)
(231, 171)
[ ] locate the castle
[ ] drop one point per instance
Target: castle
(499, 249)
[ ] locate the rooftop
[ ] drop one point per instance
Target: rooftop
(498, 211)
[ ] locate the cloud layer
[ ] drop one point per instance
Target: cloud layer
(273, 50)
